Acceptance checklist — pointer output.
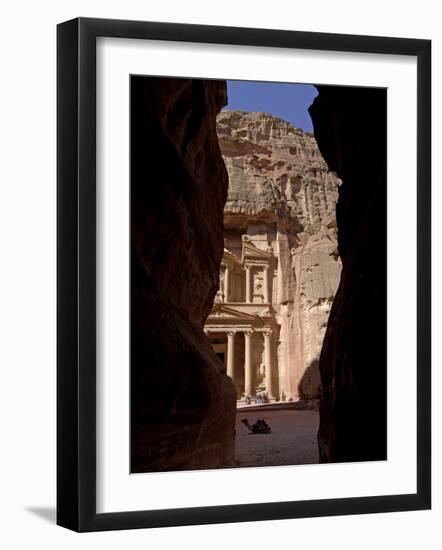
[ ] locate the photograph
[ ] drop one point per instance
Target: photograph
(243, 274)
(244, 325)
(220, 320)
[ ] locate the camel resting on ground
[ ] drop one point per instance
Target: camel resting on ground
(259, 427)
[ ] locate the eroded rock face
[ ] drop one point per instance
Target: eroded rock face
(183, 404)
(350, 127)
(282, 198)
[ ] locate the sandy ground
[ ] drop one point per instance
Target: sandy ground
(292, 441)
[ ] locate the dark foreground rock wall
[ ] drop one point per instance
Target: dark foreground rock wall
(182, 402)
(350, 128)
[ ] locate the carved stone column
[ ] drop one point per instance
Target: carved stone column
(226, 284)
(248, 284)
(268, 362)
(248, 377)
(230, 354)
(266, 284)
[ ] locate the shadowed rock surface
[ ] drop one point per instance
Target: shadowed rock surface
(183, 404)
(350, 128)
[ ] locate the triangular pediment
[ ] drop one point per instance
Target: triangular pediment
(250, 251)
(229, 258)
(221, 310)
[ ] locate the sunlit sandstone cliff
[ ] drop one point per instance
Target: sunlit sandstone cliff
(281, 202)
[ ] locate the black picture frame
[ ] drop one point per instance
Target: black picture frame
(76, 274)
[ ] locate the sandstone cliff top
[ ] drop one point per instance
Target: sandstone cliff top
(275, 172)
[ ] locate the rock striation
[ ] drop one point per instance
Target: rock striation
(281, 201)
(182, 402)
(350, 127)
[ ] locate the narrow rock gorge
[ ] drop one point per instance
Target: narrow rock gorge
(183, 404)
(350, 128)
(230, 302)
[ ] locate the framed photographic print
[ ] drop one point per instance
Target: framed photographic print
(243, 274)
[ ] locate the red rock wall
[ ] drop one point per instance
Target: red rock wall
(183, 404)
(350, 128)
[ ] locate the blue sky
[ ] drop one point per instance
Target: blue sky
(287, 101)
